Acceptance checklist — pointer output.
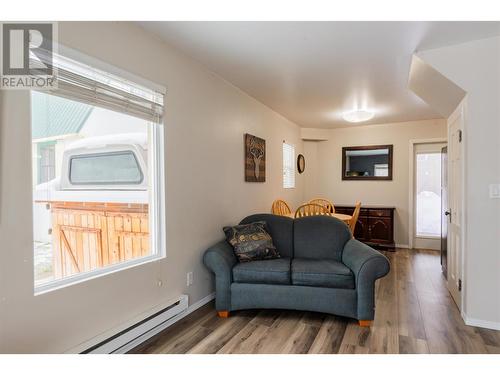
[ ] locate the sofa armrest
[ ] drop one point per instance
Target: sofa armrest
(368, 265)
(220, 259)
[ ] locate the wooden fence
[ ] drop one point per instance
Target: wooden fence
(87, 236)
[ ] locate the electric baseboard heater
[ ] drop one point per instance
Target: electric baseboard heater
(144, 329)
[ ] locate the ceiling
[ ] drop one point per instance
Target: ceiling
(312, 72)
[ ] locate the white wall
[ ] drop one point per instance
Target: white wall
(206, 118)
(325, 178)
(475, 67)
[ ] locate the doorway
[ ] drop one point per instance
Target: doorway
(427, 195)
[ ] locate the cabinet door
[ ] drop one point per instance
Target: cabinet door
(361, 229)
(380, 229)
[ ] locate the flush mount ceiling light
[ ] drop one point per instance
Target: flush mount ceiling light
(358, 115)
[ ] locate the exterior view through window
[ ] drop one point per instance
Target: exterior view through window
(428, 194)
(97, 185)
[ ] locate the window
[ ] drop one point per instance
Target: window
(46, 161)
(105, 169)
(288, 166)
(98, 198)
(428, 194)
(381, 170)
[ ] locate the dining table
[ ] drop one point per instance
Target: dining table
(345, 218)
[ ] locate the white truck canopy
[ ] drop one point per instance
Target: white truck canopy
(110, 168)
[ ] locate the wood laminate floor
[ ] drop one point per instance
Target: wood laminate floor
(414, 314)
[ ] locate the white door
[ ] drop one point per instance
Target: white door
(427, 196)
(455, 191)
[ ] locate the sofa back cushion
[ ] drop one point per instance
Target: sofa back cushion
(280, 228)
(320, 237)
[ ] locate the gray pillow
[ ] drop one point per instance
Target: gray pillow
(251, 242)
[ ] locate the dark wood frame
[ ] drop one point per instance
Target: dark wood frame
(299, 168)
(249, 160)
(363, 178)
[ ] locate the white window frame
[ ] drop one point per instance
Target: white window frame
(157, 182)
(288, 168)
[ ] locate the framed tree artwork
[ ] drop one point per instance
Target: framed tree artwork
(255, 159)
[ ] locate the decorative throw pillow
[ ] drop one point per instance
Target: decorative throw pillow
(251, 242)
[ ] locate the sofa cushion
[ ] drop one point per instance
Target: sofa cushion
(320, 237)
(274, 271)
(326, 273)
(280, 228)
(251, 242)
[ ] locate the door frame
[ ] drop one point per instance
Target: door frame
(411, 179)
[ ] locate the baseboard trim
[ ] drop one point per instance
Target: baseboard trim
(402, 246)
(195, 306)
(481, 323)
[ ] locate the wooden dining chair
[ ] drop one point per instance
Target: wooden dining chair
(355, 215)
(310, 209)
(324, 202)
(280, 207)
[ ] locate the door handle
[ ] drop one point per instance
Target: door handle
(448, 213)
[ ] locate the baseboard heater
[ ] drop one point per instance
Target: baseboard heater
(139, 332)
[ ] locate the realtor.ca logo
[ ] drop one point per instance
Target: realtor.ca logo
(27, 56)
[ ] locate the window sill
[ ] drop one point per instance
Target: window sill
(52, 286)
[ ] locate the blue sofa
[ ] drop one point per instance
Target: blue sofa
(322, 268)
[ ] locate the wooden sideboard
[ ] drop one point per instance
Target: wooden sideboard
(375, 225)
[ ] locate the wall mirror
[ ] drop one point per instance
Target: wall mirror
(367, 163)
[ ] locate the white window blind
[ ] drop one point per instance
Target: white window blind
(87, 84)
(288, 166)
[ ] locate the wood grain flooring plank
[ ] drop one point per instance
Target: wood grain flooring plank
(279, 333)
(313, 318)
(356, 335)
(353, 349)
(247, 341)
(410, 319)
(212, 343)
(266, 317)
(330, 336)
(410, 345)
(489, 336)
(493, 349)
(301, 339)
(384, 337)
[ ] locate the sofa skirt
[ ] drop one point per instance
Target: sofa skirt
(341, 302)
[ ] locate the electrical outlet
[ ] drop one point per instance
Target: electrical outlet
(189, 279)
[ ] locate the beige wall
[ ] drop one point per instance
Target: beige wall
(326, 175)
(206, 118)
(475, 67)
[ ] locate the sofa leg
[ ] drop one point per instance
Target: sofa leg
(365, 323)
(223, 314)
